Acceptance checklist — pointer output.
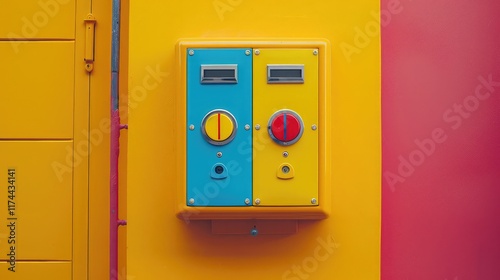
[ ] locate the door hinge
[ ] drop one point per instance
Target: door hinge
(89, 42)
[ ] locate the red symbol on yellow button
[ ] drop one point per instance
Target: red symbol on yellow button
(285, 127)
(219, 127)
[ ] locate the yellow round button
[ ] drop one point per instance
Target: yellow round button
(219, 126)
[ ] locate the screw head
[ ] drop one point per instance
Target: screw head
(247, 126)
(191, 201)
(254, 232)
(257, 201)
(315, 52)
(191, 127)
(257, 52)
(219, 154)
(257, 126)
(285, 154)
(314, 201)
(247, 201)
(191, 52)
(314, 127)
(248, 52)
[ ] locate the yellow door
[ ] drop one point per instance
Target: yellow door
(54, 123)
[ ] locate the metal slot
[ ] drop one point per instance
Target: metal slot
(219, 74)
(285, 73)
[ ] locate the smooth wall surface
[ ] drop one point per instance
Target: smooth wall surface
(441, 140)
(344, 246)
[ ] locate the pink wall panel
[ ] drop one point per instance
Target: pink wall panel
(441, 140)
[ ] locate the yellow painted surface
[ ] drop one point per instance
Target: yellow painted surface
(81, 113)
(55, 132)
(346, 245)
(43, 201)
(37, 90)
(54, 19)
(301, 98)
(37, 270)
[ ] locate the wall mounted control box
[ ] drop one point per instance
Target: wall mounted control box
(253, 130)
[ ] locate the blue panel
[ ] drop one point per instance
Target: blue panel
(231, 183)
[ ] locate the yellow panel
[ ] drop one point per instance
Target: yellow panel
(302, 157)
(41, 216)
(81, 139)
(36, 270)
(99, 161)
(37, 19)
(37, 90)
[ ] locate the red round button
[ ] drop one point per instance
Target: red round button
(285, 127)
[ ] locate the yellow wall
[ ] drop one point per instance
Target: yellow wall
(160, 246)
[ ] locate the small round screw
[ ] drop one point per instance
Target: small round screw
(257, 126)
(257, 52)
(191, 201)
(191, 127)
(314, 201)
(285, 154)
(314, 127)
(247, 201)
(247, 126)
(248, 52)
(257, 201)
(191, 52)
(219, 154)
(254, 232)
(315, 52)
